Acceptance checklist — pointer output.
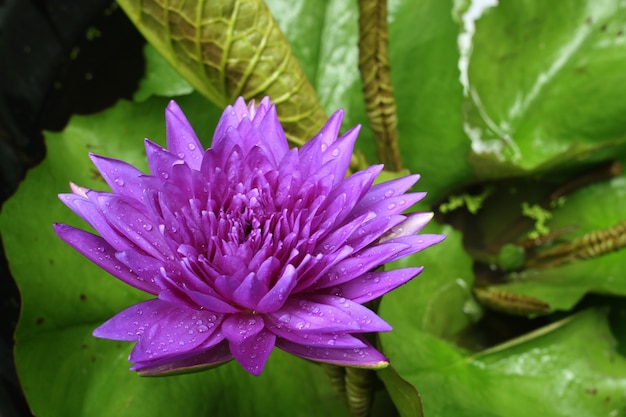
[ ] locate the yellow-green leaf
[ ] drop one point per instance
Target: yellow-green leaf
(231, 48)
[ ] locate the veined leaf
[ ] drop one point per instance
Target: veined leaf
(231, 48)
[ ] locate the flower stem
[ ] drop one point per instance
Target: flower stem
(375, 75)
(359, 391)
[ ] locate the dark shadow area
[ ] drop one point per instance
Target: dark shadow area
(57, 58)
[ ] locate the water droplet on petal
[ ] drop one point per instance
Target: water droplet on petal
(202, 328)
(391, 206)
(147, 226)
(119, 182)
(191, 147)
(389, 193)
(335, 152)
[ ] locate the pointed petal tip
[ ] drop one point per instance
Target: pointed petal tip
(172, 106)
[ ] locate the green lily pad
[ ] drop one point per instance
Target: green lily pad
(568, 368)
(546, 84)
(160, 78)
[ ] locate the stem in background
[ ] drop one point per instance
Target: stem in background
(376, 80)
(336, 374)
(360, 391)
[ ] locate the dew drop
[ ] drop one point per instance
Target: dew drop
(202, 329)
(389, 193)
(285, 318)
(119, 182)
(190, 331)
(191, 147)
(147, 226)
(335, 152)
(391, 206)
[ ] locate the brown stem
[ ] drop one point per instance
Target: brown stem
(375, 75)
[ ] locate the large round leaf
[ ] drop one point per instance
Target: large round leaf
(546, 83)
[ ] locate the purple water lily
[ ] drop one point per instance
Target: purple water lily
(248, 245)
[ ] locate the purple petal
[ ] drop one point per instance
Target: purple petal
(123, 178)
(389, 206)
(131, 323)
(343, 198)
(239, 327)
(339, 154)
(371, 230)
(134, 225)
(375, 284)
(367, 357)
(250, 291)
(387, 189)
(275, 142)
(328, 133)
(97, 250)
(309, 316)
(160, 160)
(144, 266)
(337, 340)
(366, 319)
(276, 297)
(210, 302)
(190, 362)
(413, 244)
(90, 213)
(177, 332)
(181, 139)
(358, 264)
(252, 353)
(411, 225)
